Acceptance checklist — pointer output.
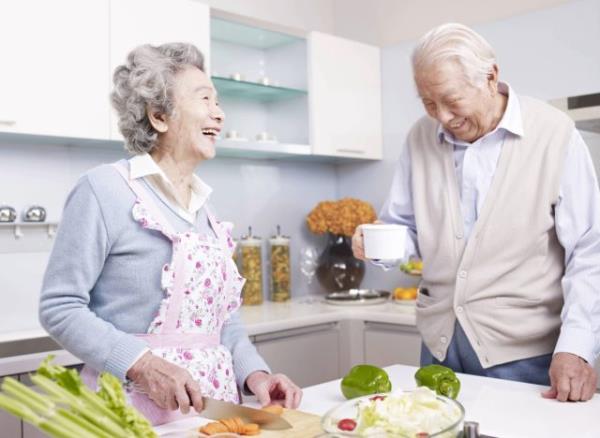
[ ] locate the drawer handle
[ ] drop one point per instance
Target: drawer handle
(351, 151)
(8, 122)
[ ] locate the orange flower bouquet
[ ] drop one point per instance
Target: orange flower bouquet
(340, 217)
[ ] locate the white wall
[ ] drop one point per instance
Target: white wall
(300, 14)
(546, 54)
(257, 193)
(389, 22)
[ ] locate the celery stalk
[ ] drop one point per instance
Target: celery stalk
(26, 395)
(62, 428)
(96, 414)
(87, 399)
(54, 430)
(88, 426)
(68, 409)
(94, 400)
(18, 409)
(49, 417)
(58, 392)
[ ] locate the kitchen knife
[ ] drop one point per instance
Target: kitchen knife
(219, 410)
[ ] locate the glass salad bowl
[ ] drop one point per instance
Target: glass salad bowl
(419, 413)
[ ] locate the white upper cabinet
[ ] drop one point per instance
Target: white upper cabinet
(136, 22)
(285, 95)
(53, 77)
(344, 97)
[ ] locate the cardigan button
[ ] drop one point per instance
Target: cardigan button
(459, 235)
(462, 274)
(459, 309)
(443, 339)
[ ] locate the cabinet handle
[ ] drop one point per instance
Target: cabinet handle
(8, 122)
(300, 331)
(351, 151)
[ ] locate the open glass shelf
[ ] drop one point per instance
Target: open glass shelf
(248, 36)
(258, 149)
(254, 91)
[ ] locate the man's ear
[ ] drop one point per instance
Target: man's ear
(158, 120)
(492, 80)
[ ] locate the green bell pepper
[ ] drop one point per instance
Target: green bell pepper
(440, 379)
(365, 380)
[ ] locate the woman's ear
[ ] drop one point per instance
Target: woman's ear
(158, 120)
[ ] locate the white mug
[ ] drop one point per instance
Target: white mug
(384, 241)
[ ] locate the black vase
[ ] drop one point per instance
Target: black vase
(337, 268)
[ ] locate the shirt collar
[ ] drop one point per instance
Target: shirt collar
(511, 120)
(143, 165)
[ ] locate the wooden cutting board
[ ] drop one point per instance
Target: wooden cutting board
(304, 425)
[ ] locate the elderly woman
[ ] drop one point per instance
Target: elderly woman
(501, 201)
(141, 281)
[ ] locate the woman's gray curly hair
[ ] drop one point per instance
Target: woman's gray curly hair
(145, 81)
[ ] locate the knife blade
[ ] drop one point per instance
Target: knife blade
(218, 410)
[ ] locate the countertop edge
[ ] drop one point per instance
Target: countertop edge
(267, 318)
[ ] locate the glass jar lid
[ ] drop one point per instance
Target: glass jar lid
(249, 239)
(279, 239)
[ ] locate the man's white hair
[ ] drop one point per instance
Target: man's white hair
(459, 43)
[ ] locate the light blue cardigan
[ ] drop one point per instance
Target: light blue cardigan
(103, 278)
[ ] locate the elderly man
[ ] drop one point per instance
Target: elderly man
(501, 200)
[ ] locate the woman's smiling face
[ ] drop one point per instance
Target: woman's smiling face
(197, 118)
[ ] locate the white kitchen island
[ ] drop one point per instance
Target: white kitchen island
(503, 409)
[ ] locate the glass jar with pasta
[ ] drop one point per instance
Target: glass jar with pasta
(280, 267)
(249, 262)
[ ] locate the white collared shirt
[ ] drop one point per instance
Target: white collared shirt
(144, 166)
(476, 162)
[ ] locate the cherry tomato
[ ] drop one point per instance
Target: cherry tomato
(377, 397)
(346, 424)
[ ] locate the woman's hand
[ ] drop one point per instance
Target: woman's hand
(274, 389)
(166, 384)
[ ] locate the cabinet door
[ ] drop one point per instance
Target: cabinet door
(54, 78)
(307, 357)
(345, 97)
(10, 426)
(390, 344)
(30, 431)
(137, 22)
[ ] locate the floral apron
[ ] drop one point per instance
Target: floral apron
(202, 289)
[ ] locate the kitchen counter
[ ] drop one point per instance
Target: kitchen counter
(272, 317)
(502, 408)
(23, 351)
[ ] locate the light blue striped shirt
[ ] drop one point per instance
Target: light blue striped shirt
(577, 218)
